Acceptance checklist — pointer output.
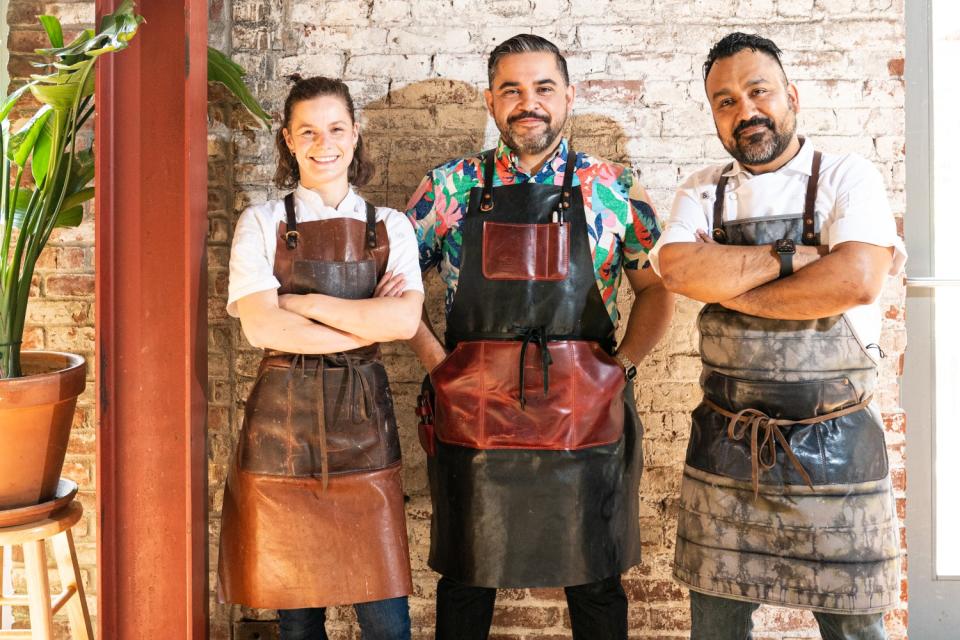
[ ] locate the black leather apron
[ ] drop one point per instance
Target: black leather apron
(786, 495)
(537, 453)
(313, 508)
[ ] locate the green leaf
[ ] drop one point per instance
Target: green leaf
(54, 31)
(10, 102)
(41, 152)
(77, 198)
(58, 96)
(24, 140)
(20, 208)
(71, 217)
(222, 69)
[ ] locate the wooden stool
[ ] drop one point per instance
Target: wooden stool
(31, 536)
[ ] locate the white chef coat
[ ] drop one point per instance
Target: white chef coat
(255, 241)
(851, 205)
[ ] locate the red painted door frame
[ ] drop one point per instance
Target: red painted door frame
(151, 319)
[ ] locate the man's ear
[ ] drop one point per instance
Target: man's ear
(488, 98)
(571, 94)
(793, 96)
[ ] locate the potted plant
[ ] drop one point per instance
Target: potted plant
(47, 172)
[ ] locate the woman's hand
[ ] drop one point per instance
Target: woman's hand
(390, 286)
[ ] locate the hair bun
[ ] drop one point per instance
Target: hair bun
(294, 78)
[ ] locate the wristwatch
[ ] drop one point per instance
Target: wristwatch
(629, 369)
(785, 248)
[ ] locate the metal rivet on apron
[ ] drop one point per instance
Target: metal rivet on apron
(705, 195)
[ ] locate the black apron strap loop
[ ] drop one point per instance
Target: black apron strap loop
(718, 233)
(371, 226)
(488, 160)
(292, 236)
(810, 235)
(568, 171)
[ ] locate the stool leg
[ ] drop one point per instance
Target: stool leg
(38, 587)
(66, 555)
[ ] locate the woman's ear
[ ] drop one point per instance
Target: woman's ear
(288, 139)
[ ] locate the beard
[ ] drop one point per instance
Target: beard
(531, 142)
(763, 146)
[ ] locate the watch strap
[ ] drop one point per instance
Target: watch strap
(786, 263)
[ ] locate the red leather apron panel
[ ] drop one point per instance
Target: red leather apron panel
(477, 396)
(287, 543)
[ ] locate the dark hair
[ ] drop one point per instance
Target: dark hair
(735, 42)
(288, 173)
(525, 43)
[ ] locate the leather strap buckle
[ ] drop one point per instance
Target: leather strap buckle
(292, 238)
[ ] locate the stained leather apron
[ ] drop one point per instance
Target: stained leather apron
(786, 495)
(313, 509)
(536, 459)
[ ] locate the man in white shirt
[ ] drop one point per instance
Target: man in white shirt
(786, 496)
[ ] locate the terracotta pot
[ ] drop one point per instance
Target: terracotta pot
(36, 413)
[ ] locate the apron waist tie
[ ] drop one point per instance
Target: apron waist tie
(537, 335)
(764, 433)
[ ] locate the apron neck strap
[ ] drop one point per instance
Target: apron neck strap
(488, 160)
(371, 226)
(719, 234)
(810, 235)
(568, 172)
(292, 236)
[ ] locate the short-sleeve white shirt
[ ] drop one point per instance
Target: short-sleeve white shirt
(851, 205)
(255, 241)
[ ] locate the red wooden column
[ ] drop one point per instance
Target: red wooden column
(152, 327)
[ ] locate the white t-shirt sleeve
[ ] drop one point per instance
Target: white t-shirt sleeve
(251, 262)
(404, 253)
(862, 212)
(686, 217)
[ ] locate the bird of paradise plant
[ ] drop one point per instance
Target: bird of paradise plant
(59, 161)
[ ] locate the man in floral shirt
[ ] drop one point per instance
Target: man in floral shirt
(534, 457)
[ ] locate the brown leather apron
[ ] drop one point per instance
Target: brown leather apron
(313, 509)
(786, 495)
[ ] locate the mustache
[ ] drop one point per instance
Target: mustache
(753, 122)
(528, 114)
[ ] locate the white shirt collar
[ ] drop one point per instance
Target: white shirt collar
(800, 163)
(312, 199)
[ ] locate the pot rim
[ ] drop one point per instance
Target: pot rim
(68, 381)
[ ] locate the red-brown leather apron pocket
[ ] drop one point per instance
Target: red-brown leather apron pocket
(526, 251)
(477, 397)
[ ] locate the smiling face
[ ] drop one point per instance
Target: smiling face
(322, 136)
(530, 101)
(754, 109)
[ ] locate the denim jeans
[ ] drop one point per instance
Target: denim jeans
(598, 610)
(380, 620)
(716, 618)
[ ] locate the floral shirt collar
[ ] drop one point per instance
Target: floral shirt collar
(508, 161)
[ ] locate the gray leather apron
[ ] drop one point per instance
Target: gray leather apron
(786, 495)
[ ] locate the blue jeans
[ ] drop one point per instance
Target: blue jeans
(716, 618)
(380, 620)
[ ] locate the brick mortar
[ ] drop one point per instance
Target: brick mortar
(417, 71)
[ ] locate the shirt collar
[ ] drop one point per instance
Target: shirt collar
(507, 159)
(313, 200)
(800, 163)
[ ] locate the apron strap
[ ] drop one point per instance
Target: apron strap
(371, 226)
(718, 233)
(292, 236)
(568, 170)
(487, 159)
(810, 235)
(764, 433)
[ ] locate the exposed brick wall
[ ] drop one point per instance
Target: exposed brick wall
(417, 70)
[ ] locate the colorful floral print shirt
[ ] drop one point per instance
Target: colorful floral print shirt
(622, 227)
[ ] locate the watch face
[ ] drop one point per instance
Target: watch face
(785, 245)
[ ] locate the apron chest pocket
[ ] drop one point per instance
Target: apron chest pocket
(526, 251)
